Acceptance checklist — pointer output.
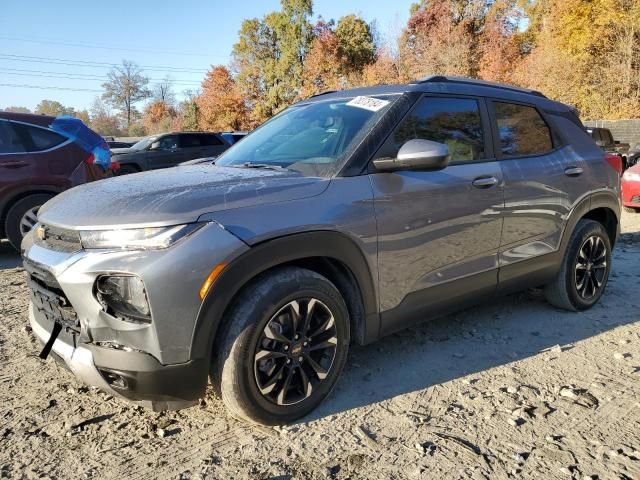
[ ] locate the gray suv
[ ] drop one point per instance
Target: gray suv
(345, 218)
(167, 150)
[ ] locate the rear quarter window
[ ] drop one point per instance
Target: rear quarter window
(522, 130)
(37, 139)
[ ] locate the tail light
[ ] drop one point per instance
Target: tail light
(91, 159)
(115, 166)
(615, 161)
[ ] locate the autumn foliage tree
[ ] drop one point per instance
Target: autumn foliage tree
(158, 117)
(221, 105)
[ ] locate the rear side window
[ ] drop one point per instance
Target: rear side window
(187, 141)
(455, 122)
(43, 139)
(9, 140)
(210, 140)
(522, 130)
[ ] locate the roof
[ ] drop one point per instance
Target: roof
(34, 118)
(450, 85)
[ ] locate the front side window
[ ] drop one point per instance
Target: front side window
(522, 130)
(314, 138)
(168, 143)
(456, 122)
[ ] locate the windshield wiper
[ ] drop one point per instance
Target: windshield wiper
(265, 166)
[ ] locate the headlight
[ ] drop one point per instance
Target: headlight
(137, 238)
(124, 296)
(632, 176)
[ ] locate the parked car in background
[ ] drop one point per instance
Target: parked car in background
(634, 155)
(631, 189)
(233, 137)
(604, 139)
(347, 217)
(168, 150)
(115, 144)
(198, 161)
(36, 163)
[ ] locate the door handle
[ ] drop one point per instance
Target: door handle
(573, 171)
(485, 182)
(17, 164)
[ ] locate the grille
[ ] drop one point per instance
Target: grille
(49, 299)
(58, 239)
(635, 199)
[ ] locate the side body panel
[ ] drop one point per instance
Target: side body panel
(435, 229)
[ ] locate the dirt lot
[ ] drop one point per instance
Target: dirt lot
(512, 389)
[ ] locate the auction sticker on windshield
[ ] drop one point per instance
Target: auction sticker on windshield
(368, 103)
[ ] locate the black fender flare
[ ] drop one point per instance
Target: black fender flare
(278, 251)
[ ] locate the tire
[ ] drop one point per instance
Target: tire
(127, 169)
(584, 272)
(21, 217)
(631, 210)
(243, 374)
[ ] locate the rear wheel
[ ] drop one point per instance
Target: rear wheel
(284, 347)
(585, 269)
(22, 216)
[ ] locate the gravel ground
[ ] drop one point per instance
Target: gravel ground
(514, 389)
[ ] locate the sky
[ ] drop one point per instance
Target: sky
(65, 49)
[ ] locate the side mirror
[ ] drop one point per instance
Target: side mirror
(155, 146)
(617, 142)
(417, 155)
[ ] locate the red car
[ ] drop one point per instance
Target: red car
(631, 188)
(37, 163)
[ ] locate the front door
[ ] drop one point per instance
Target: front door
(438, 231)
(166, 153)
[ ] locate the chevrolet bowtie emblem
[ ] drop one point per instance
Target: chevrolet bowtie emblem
(41, 232)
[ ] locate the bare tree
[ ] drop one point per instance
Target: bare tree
(163, 91)
(125, 87)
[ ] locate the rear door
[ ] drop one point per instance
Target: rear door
(438, 231)
(192, 146)
(542, 183)
(214, 144)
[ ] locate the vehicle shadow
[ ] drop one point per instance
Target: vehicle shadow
(501, 332)
(9, 258)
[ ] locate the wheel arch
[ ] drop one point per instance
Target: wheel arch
(331, 254)
(19, 195)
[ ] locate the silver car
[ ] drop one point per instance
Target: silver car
(347, 217)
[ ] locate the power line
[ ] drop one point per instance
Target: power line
(84, 63)
(80, 76)
(105, 47)
(43, 87)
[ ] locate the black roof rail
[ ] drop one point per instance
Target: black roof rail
(326, 92)
(473, 81)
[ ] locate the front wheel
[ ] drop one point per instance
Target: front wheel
(283, 348)
(585, 269)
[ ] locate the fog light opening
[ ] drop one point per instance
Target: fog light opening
(114, 379)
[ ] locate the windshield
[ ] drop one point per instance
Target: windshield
(144, 143)
(312, 138)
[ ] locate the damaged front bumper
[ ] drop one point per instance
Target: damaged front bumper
(135, 376)
(148, 363)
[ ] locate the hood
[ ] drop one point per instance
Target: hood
(173, 196)
(121, 151)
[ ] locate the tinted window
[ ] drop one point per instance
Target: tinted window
(168, 143)
(9, 140)
(522, 130)
(606, 136)
(453, 121)
(210, 140)
(190, 141)
(43, 139)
